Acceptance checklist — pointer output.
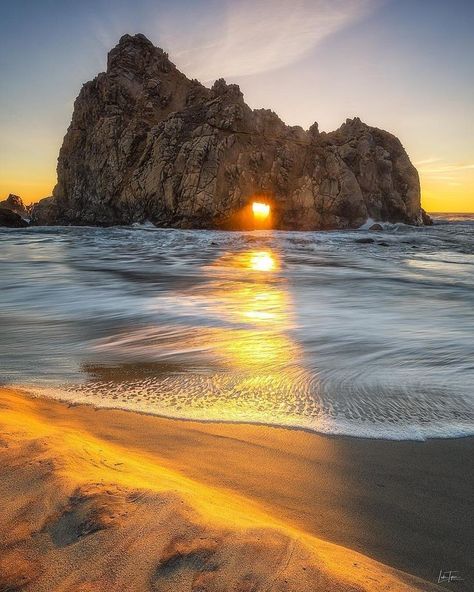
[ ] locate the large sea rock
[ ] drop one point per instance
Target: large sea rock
(147, 143)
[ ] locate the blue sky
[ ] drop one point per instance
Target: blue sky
(405, 66)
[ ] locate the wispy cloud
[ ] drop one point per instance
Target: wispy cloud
(436, 168)
(426, 161)
(232, 38)
(247, 37)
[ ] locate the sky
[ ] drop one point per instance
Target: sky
(406, 66)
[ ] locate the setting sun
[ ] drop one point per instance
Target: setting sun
(260, 210)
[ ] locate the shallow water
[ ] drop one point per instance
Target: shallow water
(301, 329)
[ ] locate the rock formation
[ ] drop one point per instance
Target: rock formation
(11, 219)
(147, 143)
(15, 204)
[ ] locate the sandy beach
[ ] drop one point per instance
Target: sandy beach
(114, 500)
(237, 296)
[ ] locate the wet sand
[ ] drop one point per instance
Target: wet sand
(109, 500)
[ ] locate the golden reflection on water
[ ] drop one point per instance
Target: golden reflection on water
(255, 296)
(261, 261)
(263, 376)
(240, 361)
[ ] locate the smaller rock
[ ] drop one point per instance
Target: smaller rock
(427, 220)
(382, 244)
(11, 220)
(15, 204)
(376, 228)
(364, 241)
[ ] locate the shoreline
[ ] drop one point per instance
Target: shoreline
(39, 392)
(375, 497)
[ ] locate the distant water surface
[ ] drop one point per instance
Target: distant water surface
(308, 329)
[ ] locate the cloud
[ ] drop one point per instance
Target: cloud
(436, 168)
(246, 37)
(421, 163)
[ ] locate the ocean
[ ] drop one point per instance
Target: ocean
(318, 330)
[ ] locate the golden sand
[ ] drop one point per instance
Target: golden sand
(90, 501)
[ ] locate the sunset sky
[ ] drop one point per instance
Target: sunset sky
(403, 65)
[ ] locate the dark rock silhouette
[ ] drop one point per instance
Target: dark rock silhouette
(11, 219)
(15, 204)
(147, 143)
(376, 228)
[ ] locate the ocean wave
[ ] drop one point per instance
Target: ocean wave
(316, 330)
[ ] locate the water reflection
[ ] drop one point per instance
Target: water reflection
(224, 325)
(261, 261)
(254, 295)
(246, 365)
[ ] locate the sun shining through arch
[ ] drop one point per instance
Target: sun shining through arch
(260, 210)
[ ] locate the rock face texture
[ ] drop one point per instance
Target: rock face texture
(147, 143)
